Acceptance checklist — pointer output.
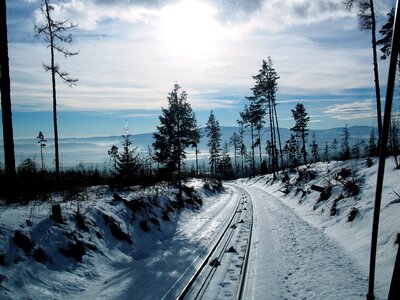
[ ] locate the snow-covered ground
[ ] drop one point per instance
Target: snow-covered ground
(299, 248)
(156, 264)
(329, 251)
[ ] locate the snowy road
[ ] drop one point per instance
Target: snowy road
(290, 259)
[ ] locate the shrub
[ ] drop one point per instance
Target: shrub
(352, 214)
(75, 250)
(23, 241)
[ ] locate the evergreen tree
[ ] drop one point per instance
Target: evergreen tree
(235, 141)
(41, 142)
(334, 147)
(293, 151)
(248, 119)
(264, 96)
(127, 161)
(225, 164)
(372, 148)
(54, 35)
(113, 153)
(175, 133)
(195, 144)
(301, 119)
(345, 153)
(6, 112)
(243, 150)
(214, 142)
(314, 148)
(326, 152)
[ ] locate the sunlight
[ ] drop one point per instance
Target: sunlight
(189, 28)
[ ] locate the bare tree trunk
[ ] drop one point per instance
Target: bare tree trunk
(279, 137)
(252, 151)
(9, 155)
(53, 82)
(376, 73)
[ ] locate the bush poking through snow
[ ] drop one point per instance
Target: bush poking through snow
(351, 185)
(75, 250)
(144, 226)
(352, 214)
(231, 249)
(40, 255)
(333, 208)
(213, 186)
(370, 162)
(116, 230)
(23, 241)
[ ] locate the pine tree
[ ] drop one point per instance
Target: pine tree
(372, 148)
(248, 119)
(243, 150)
(300, 128)
(235, 141)
(54, 35)
(225, 164)
(175, 133)
(265, 101)
(314, 148)
(345, 153)
(127, 161)
(326, 152)
(8, 135)
(214, 142)
(334, 147)
(113, 153)
(41, 142)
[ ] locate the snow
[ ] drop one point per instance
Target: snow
(298, 249)
(353, 238)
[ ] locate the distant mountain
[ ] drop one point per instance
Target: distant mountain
(92, 151)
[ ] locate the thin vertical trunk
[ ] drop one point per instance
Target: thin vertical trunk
(279, 137)
(271, 128)
(9, 155)
(53, 82)
(376, 73)
(259, 145)
(179, 163)
(252, 151)
(197, 161)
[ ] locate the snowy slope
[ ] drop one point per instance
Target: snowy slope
(158, 248)
(353, 236)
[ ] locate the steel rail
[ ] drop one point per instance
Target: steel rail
(221, 244)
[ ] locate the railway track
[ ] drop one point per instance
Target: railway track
(222, 273)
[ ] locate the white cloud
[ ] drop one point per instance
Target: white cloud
(351, 111)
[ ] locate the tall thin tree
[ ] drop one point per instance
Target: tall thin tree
(367, 21)
(8, 136)
(214, 142)
(54, 34)
(301, 119)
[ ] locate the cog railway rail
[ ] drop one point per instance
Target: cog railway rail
(222, 274)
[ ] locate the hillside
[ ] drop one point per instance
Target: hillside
(92, 151)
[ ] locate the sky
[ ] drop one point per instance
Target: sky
(132, 52)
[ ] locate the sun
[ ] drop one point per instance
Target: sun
(190, 28)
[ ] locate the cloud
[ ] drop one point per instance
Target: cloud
(351, 111)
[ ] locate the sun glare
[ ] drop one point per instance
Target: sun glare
(190, 28)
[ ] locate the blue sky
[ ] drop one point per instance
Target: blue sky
(132, 52)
